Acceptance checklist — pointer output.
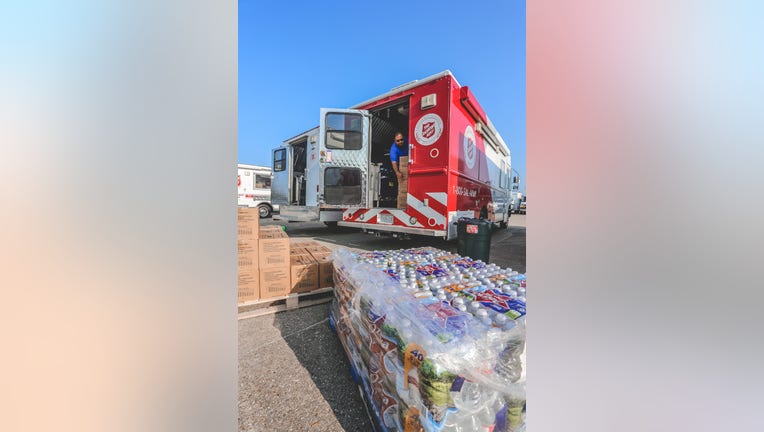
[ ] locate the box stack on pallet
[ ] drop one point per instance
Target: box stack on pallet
(311, 266)
(249, 263)
(272, 267)
(274, 262)
(436, 341)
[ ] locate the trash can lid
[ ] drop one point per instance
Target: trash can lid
(466, 220)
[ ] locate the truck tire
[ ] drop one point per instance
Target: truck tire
(264, 210)
(504, 225)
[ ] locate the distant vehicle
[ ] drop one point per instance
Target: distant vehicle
(522, 206)
(517, 196)
(517, 199)
(254, 184)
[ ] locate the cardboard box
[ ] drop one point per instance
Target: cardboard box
(325, 269)
(402, 198)
(249, 285)
(248, 254)
(297, 248)
(403, 163)
(274, 282)
(273, 249)
(272, 228)
(304, 274)
(403, 187)
(301, 242)
(302, 251)
(316, 247)
(249, 223)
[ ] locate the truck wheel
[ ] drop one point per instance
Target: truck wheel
(264, 210)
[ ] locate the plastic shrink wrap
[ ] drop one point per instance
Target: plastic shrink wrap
(437, 341)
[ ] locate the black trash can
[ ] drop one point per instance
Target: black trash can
(473, 238)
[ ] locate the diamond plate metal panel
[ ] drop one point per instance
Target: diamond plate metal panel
(346, 158)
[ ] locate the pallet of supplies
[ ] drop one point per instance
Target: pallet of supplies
(436, 340)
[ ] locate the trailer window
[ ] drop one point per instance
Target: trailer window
(262, 182)
(344, 131)
(342, 186)
(279, 160)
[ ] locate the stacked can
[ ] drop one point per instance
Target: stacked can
(436, 340)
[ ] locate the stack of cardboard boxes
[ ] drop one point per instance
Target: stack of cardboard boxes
(311, 266)
(269, 266)
(403, 187)
(304, 276)
(321, 255)
(274, 262)
(249, 275)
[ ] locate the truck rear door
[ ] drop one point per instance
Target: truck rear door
(282, 175)
(344, 143)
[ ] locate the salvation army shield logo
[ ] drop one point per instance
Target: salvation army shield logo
(428, 129)
(470, 151)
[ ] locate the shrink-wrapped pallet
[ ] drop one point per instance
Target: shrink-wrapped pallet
(436, 340)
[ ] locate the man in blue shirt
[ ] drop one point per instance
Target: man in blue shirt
(398, 149)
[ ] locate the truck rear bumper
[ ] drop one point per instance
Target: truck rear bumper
(394, 228)
(307, 214)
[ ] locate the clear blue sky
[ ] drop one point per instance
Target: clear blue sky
(297, 57)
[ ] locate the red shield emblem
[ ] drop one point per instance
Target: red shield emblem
(428, 129)
(470, 149)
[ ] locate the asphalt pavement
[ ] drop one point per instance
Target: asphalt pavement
(293, 373)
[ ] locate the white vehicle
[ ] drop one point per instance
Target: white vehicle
(517, 196)
(255, 188)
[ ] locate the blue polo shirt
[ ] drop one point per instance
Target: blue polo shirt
(396, 152)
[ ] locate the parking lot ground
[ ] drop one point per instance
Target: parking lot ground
(293, 373)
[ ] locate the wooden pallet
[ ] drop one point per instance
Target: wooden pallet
(279, 304)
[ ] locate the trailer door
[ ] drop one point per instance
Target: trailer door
(344, 137)
(282, 176)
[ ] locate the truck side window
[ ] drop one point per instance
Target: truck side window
(262, 182)
(279, 160)
(344, 131)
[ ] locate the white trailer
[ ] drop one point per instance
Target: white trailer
(255, 188)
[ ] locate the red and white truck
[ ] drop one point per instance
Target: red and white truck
(340, 171)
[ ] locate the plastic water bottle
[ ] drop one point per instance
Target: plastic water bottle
(475, 406)
(509, 365)
(486, 415)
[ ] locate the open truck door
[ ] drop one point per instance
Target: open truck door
(344, 143)
(281, 184)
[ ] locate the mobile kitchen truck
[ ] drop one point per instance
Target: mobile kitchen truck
(340, 171)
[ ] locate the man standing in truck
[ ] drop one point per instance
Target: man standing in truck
(398, 149)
